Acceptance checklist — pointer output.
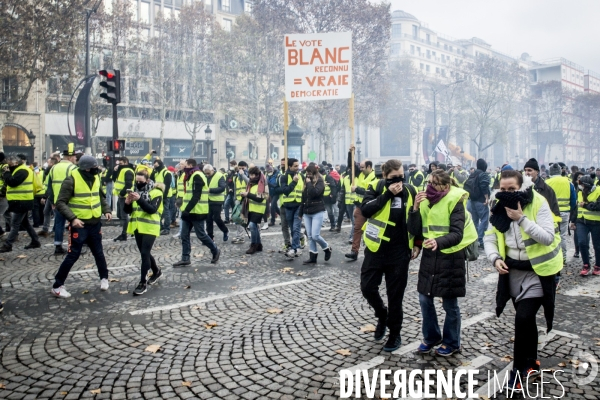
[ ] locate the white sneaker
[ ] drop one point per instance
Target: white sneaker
(61, 292)
(265, 226)
(298, 252)
(177, 235)
(291, 253)
(104, 284)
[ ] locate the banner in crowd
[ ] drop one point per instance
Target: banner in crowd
(81, 104)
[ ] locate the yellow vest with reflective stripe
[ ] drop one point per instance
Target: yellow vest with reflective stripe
(327, 191)
(59, 173)
(240, 186)
(180, 185)
(102, 184)
(347, 188)
(436, 220)
(545, 260)
(587, 214)
(44, 180)
(120, 182)
(1, 178)
(214, 183)
(159, 177)
(562, 188)
(143, 222)
(412, 178)
(363, 182)
(202, 206)
(296, 195)
(258, 207)
(24, 191)
(85, 202)
(374, 228)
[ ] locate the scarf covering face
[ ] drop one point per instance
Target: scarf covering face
(499, 218)
(434, 196)
(145, 191)
(188, 172)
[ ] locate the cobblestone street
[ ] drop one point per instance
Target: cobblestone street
(248, 327)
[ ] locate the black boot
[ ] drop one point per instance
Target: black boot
(337, 230)
(252, 249)
(121, 238)
(215, 257)
(5, 248)
(259, 247)
(352, 255)
(59, 250)
(33, 245)
(380, 329)
(328, 253)
(312, 258)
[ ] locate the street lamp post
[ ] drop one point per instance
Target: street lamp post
(358, 143)
(208, 137)
(88, 14)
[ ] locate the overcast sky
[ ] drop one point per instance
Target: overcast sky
(543, 28)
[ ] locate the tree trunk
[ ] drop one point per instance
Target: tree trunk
(162, 131)
(193, 151)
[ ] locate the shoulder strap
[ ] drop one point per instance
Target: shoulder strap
(411, 190)
(380, 186)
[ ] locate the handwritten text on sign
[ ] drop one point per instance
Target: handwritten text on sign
(318, 66)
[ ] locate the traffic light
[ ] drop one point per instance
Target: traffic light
(112, 85)
(116, 146)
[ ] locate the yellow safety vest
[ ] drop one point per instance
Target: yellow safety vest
(85, 202)
(296, 195)
(240, 186)
(180, 185)
(327, 191)
(436, 220)
(120, 182)
(159, 177)
(258, 207)
(460, 184)
(412, 178)
(374, 228)
(143, 222)
(587, 214)
(347, 188)
(24, 191)
(59, 173)
(202, 206)
(102, 184)
(362, 182)
(562, 188)
(1, 178)
(214, 183)
(44, 180)
(545, 260)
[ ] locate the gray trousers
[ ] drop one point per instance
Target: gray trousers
(47, 215)
(285, 229)
(564, 226)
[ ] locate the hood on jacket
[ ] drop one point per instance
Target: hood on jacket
(160, 186)
(482, 165)
(335, 175)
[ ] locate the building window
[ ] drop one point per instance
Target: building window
(422, 66)
(445, 46)
(427, 68)
(396, 31)
(396, 49)
(428, 54)
(412, 49)
(450, 49)
(434, 55)
(53, 86)
(415, 30)
(226, 5)
(428, 38)
(145, 12)
(419, 50)
(133, 83)
(248, 7)
(227, 25)
(437, 70)
(13, 136)
(145, 97)
(443, 58)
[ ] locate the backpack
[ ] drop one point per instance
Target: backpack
(472, 185)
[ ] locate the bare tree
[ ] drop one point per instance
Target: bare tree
(37, 41)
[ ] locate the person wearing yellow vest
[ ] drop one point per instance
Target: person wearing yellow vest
(240, 182)
(144, 205)
(46, 201)
(415, 177)
(194, 211)
(4, 220)
(292, 185)
(123, 177)
(440, 214)
(459, 175)
(216, 198)
(180, 176)
(254, 206)
(161, 174)
(565, 195)
(524, 247)
(19, 193)
(58, 174)
(81, 202)
(587, 223)
(346, 202)
(389, 249)
(361, 183)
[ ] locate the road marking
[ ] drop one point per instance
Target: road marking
(366, 365)
(483, 391)
(110, 269)
(218, 297)
(279, 233)
(588, 289)
(52, 244)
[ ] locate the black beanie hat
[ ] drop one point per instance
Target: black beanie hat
(481, 165)
(533, 164)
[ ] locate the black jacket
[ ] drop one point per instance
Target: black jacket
(542, 188)
(18, 206)
(334, 187)
(440, 274)
(312, 198)
(483, 182)
(129, 177)
(168, 178)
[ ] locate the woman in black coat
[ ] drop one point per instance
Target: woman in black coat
(312, 209)
(447, 227)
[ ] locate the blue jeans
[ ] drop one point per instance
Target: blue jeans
(59, 228)
(312, 224)
(254, 233)
(186, 229)
(583, 236)
(166, 215)
(228, 205)
(431, 329)
(173, 209)
(109, 194)
(274, 208)
(481, 214)
(294, 222)
(15, 225)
